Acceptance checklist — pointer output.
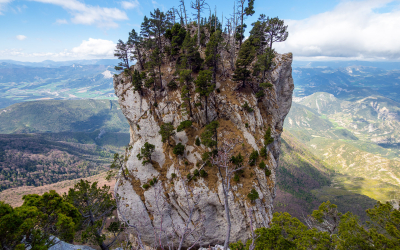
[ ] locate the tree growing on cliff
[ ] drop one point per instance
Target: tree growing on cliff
(122, 52)
(226, 170)
(166, 132)
(199, 6)
(246, 56)
(264, 63)
(185, 78)
(204, 86)
(276, 30)
(95, 205)
(210, 135)
(135, 42)
(213, 50)
(137, 81)
(242, 12)
(34, 224)
(145, 153)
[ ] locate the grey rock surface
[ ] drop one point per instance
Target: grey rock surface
(139, 206)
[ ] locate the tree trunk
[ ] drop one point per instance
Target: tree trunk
(198, 25)
(159, 72)
(140, 58)
(228, 219)
(206, 112)
(241, 26)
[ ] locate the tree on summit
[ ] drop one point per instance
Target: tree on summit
(135, 40)
(242, 12)
(246, 56)
(276, 30)
(204, 86)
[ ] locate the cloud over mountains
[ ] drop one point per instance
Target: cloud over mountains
(353, 30)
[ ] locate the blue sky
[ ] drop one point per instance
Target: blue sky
(37, 30)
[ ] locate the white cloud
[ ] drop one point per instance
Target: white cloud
(354, 29)
(21, 37)
(87, 14)
(130, 5)
(95, 47)
(3, 5)
(61, 21)
(88, 49)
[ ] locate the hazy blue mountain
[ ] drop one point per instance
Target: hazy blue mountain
(63, 116)
(26, 81)
(347, 82)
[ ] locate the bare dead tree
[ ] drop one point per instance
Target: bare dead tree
(199, 6)
(327, 220)
(231, 43)
(192, 227)
(196, 231)
(124, 220)
(182, 6)
(226, 170)
(253, 235)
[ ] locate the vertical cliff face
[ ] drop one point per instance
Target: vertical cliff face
(142, 206)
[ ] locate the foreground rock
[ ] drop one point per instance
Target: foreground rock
(143, 207)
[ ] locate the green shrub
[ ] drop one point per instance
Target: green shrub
(197, 104)
(265, 85)
(186, 163)
(237, 246)
(196, 172)
(246, 125)
(203, 173)
(146, 186)
(155, 104)
(253, 158)
(260, 94)
(236, 177)
(218, 90)
(189, 176)
(172, 85)
(153, 181)
(247, 107)
(205, 156)
(145, 153)
(263, 152)
(262, 165)
(267, 172)
(179, 149)
(173, 175)
(253, 195)
(267, 137)
(184, 125)
(197, 142)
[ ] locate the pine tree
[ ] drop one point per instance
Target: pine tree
(204, 86)
(264, 63)
(210, 135)
(158, 25)
(248, 11)
(137, 81)
(246, 56)
(213, 50)
(145, 153)
(176, 35)
(276, 30)
(166, 131)
(185, 78)
(135, 41)
(122, 51)
(191, 58)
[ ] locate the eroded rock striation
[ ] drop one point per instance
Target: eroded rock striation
(142, 206)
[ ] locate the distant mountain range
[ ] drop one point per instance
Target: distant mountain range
(55, 116)
(26, 81)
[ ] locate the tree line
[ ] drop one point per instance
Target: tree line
(167, 37)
